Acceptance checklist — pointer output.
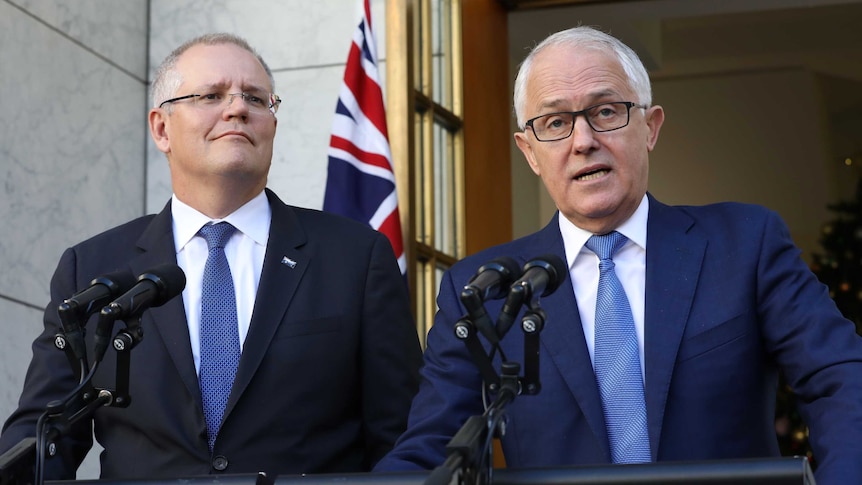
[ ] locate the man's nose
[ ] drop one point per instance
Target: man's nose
(235, 106)
(583, 136)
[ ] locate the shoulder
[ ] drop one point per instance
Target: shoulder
(716, 216)
(124, 235)
(338, 229)
(315, 222)
(731, 210)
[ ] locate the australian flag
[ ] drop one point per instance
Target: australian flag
(360, 181)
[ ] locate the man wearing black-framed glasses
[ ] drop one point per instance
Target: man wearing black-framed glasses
(665, 340)
(292, 348)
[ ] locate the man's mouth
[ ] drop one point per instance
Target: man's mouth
(595, 174)
(229, 134)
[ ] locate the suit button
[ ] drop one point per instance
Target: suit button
(220, 463)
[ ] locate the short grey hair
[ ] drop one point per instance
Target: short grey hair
(168, 80)
(585, 37)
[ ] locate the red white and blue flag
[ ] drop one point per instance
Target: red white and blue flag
(360, 181)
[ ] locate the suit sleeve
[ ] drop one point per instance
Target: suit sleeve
(50, 377)
(390, 356)
(819, 352)
(449, 393)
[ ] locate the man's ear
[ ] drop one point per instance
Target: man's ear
(527, 149)
(158, 129)
(654, 119)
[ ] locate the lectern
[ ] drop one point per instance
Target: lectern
(767, 471)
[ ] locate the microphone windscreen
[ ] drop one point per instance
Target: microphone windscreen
(117, 282)
(556, 268)
(170, 281)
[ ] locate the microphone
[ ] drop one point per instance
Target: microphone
(489, 282)
(492, 279)
(75, 310)
(542, 276)
(154, 288)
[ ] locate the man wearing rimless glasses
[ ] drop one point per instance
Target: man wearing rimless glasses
(292, 348)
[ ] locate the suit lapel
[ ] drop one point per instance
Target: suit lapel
(278, 283)
(674, 258)
(157, 242)
(286, 260)
(563, 337)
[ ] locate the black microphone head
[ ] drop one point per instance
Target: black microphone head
(117, 282)
(554, 266)
(505, 265)
(101, 290)
(493, 278)
(170, 280)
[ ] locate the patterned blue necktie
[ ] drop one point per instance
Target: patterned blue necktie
(617, 361)
(219, 336)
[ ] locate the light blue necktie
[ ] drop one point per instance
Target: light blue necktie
(219, 336)
(617, 361)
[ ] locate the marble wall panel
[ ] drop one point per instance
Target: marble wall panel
(288, 34)
(113, 29)
(72, 146)
(299, 164)
(72, 151)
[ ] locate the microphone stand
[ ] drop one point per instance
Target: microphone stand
(60, 416)
(469, 453)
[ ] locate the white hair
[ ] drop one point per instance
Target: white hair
(168, 80)
(589, 38)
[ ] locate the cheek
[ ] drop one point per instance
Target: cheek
(552, 161)
(266, 132)
(637, 170)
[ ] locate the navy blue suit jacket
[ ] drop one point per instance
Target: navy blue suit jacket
(325, 379)
(729, 302)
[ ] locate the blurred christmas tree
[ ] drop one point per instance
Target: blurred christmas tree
(838, 268)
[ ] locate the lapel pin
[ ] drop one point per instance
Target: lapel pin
(289, 262)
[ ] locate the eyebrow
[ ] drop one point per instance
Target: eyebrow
(219, 86)
(553, 104)
(593, 98)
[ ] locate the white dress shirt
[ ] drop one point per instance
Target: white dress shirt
(630, 266)
(244, 250)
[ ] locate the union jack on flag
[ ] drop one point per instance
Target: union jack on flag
(360, 182)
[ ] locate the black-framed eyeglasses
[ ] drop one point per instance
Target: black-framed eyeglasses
(257, 103)
(601, 117)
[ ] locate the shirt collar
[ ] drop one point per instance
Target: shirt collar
(252, 219)
(634, 228)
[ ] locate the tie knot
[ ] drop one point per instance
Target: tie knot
(217, 234)
(606, 245)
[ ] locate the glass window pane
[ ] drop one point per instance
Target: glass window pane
(441, 51)
(419, 45)
(421, 212)
(445, 217)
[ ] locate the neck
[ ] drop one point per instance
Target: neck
(217, 203)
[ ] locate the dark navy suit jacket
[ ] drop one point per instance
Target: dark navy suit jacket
(729, 302)
(325, 379)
